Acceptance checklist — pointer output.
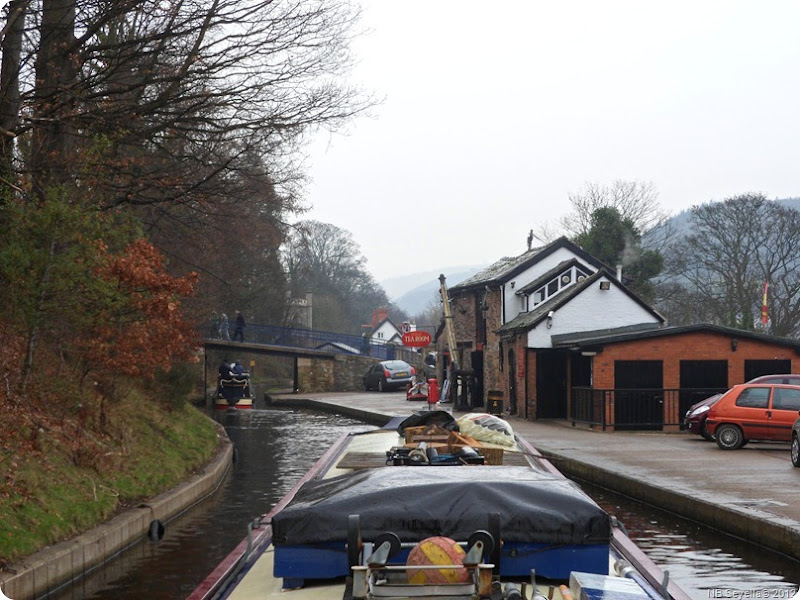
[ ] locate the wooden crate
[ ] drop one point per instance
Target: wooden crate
(450, 442)
(426, 433)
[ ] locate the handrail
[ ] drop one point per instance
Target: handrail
(634, 408)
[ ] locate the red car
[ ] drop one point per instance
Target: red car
(754, 411)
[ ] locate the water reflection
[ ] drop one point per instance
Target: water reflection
(707, 563)
(274, 448)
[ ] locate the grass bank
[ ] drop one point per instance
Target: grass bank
(69, 478)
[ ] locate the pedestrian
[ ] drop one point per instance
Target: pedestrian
(224, 333)
(214, 331)
(238, 327)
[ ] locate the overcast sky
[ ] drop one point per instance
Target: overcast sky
(495, 112)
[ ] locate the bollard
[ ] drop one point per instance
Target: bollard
(433, 392)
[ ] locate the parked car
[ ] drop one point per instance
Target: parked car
(796, 443)
(389, 374)
(788, 379)
(754, 411)
(695, 419)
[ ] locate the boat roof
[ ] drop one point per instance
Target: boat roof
(534, 506)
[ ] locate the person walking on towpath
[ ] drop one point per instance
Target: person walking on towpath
(224, 332)
(238, 329)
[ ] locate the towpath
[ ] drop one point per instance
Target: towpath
(752, 493)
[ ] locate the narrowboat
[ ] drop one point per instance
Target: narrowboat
(234, 392)
(433, 507)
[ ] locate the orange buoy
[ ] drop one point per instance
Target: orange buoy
(437, 550)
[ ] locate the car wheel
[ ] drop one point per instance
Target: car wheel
(795, 451)
(704, 432)
(366, 385)
(381, 386)
(729, 437)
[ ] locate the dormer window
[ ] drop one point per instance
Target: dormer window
(564, 279)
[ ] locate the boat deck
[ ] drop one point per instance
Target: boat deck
(750, 493)
(369, 451)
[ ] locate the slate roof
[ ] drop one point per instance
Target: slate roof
(338, 346)
(623, 334)
(509, 267)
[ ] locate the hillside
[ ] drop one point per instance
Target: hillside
(413, 293)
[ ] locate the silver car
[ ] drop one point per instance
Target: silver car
(389, 374)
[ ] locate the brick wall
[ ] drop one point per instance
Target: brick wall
(690, 346)
(530, 400)
(673, 349)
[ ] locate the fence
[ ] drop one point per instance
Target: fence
(635, 408)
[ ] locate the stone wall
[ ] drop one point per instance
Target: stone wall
(342, 373)
(493, 376)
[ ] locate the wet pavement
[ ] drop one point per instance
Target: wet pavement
(751, 493)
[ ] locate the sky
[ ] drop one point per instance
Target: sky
(493, 113)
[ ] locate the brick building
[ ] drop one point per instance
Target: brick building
(558, 335)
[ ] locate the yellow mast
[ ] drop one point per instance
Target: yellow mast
(450, 334)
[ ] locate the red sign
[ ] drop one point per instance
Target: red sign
(417, 339)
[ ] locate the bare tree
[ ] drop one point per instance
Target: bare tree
(633, 200)
(186, 114)
(325, 260)
(10, 66)
(151, 102)
(734, 247)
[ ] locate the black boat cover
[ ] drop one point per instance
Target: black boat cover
(442, 418)
(419, 502)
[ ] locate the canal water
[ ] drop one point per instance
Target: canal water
(274, 448)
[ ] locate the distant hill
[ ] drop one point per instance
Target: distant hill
(413, 293)
(679, 224)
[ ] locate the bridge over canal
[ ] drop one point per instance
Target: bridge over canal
(322, 361)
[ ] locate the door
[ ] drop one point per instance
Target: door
(757, 368)
(638, 394)
(512, 383)
(477, 367)
(783, 412)
(551, 384)
(699, 380)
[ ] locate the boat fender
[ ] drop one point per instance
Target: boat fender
(512, 592)
(156, 531)
(566, 594)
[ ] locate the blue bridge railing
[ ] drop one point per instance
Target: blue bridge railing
(340, 343)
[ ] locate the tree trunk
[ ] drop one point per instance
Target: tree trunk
(11, 49)
(56, 71)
